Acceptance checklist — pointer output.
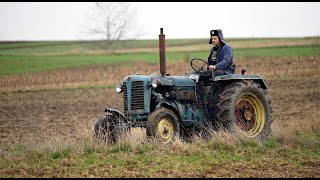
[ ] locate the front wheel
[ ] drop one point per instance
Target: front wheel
(163, 125)
(245, 110)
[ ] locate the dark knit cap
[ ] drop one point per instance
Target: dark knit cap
(213, 33)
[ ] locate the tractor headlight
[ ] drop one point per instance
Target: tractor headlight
(155, 83)
(119, 88)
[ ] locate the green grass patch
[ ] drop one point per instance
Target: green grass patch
(285, 51)
(121, 147)
(29, 47)
(310, 141)
(79, 159)
(60, 153)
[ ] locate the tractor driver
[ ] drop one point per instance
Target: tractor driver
(220, 59)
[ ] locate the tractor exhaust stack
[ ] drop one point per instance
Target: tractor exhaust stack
(162, 51)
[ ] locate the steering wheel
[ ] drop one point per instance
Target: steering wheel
(198, 65)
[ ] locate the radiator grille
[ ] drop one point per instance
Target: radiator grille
(125, 97)
(137, 96)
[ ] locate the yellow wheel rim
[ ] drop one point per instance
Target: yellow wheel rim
(250, 115)
(165, 130)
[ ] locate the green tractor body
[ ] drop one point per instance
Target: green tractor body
(170, 106)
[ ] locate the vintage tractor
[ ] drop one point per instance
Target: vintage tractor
(180, 106)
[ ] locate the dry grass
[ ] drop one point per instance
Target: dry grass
(93, 75)
(102, 75)
(293, 68)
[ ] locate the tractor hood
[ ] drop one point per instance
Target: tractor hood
(137, 77)
(186, 80)
(174, 81)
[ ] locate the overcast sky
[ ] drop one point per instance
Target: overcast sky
(66, 20)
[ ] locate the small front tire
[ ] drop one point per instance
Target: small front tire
(108, 129)
(163, 125)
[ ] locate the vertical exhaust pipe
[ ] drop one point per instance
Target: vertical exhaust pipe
(162, 52)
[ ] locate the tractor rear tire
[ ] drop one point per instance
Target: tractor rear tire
(163, 125)
(244, 110)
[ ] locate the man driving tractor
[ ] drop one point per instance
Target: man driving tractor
(220, 58)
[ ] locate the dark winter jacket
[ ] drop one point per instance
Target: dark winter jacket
(224, 56)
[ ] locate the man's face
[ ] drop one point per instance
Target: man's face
(215, 40)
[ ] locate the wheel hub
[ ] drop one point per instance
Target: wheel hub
(245, 114)
(165, 130)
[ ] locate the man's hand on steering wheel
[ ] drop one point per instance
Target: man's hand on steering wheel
(212, 67)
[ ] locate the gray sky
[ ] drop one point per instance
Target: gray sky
(66, 20)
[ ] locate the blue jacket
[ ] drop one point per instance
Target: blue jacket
(224, 56)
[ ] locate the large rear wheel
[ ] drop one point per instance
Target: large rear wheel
(245, 110)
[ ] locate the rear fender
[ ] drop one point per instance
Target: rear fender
(115, 113)
(236, 77)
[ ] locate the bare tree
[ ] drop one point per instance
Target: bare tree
(112, 22)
